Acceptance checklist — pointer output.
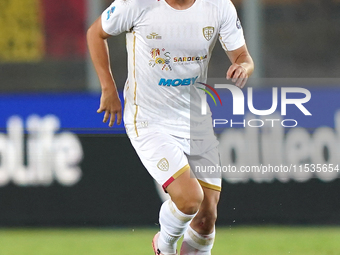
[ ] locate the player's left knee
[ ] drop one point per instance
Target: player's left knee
(207, 220)
(210, 217)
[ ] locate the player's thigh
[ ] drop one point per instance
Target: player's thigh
(186, 193)
(204, 222)
(210, 202)
(162, 156)
(205, 169)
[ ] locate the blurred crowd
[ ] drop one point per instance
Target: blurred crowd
(43, 46)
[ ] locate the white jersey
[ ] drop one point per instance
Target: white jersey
(168, 55)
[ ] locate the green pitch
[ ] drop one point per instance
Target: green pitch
(229, 241)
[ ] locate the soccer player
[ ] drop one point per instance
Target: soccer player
(169, 44)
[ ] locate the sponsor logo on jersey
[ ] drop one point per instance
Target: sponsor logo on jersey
(154, 36)
(177, 82)
(110, 12)
(190, 59)
(163, 165)
(238, 23)
(208, 33)
(160, 57)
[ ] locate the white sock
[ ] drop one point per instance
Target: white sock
(197, 244)
(173, 225)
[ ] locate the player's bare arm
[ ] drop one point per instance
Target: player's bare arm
(242, 66)
(109, 102)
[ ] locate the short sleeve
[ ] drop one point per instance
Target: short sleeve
(231, 32)
(120, 16)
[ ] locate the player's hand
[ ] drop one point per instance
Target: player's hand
(238, 74)
(111, 105)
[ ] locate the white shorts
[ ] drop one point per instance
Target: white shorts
(166, 157)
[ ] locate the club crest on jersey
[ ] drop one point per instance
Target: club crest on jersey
(163, 165)
(160, 57)
(208, 33)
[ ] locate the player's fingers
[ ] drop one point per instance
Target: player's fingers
(119, 117)
(106, 116)
(231, 71)
(244, 81)
(112, 119)
(240, 80)
(100, 110)
(237, 74)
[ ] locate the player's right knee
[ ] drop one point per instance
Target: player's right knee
(191, 207)
(186, 193)
(190, 203)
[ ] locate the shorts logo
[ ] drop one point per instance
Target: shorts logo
(163, 165)
(208, 33)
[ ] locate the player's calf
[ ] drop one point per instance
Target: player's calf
(199, 237)
(175, 214)
(204, 222)
(197, 244)
(173, 225)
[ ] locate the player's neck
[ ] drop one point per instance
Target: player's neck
(180, 4)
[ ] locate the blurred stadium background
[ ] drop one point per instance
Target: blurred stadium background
(70, 185)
